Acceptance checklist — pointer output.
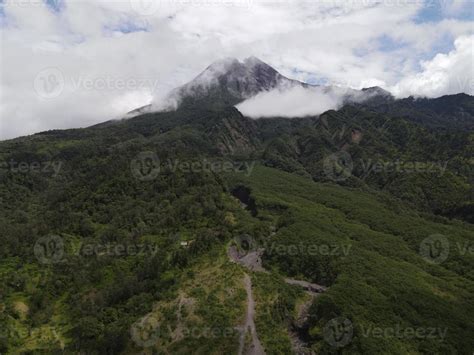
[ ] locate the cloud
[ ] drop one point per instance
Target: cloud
(299, 101)
(155, 46)
(292, 102)
(445, 74)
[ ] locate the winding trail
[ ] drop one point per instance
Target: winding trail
(253, 262)
(249, 325)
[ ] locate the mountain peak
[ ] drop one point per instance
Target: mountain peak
(376, 91)
(252, 61)
(230, 61)
(231, 81)
(230, 64)
(223, 64)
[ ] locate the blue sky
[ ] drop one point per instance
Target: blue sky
(437, 10)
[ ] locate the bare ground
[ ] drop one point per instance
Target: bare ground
(253, 262)
(255, 347)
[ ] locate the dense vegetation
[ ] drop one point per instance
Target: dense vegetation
(376, 275)
(96, 239)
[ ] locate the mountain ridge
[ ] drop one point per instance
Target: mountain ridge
(229, 81)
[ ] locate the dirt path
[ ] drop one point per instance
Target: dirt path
(249, 325)
(308, 286)
(253, 262)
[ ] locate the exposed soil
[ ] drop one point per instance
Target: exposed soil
(308, 286)
(251, 260)
(255, 347)
(298, 331)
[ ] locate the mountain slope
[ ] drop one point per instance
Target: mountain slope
(225, 82)
(233, 79)
(365, 248)
(115, 238)
(228, 82)
(448, 112)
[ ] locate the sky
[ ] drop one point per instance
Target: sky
(74, 63)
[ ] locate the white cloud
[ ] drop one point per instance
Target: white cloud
(335, 40)
(445, 74)
(292, 102)
(299, 101)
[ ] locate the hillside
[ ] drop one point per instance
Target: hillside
(202, 230)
